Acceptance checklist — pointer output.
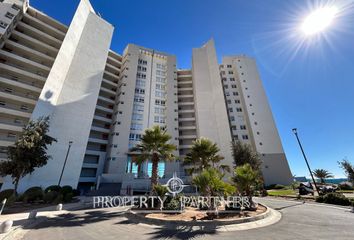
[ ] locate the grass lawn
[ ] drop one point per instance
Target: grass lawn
(282, 192)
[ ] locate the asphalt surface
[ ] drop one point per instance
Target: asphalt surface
(299, 221)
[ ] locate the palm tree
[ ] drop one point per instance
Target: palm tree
(204, 154)
(243, 153)
(210, 183)
(246, 180)
(154, 146)
(322, 174)
(348, 168)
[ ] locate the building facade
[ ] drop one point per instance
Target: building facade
(99, 102)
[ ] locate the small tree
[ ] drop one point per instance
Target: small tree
(204, 154)
(28, 152)
(154, 146)
(246, 179)
(243, 153)
(348, 169)
(322, 174)
(210, 183)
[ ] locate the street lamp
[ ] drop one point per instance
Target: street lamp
(66, 158)
(303, 153)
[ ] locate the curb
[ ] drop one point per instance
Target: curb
(140, 218)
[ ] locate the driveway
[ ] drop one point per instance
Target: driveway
(299, 221)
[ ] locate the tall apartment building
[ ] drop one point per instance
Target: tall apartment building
(100, 102)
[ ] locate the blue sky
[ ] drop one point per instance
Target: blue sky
(309, 81)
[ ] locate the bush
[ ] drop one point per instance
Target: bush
(345, 186)
(174, 204)
(33, 194)
(52, 188)
(334, 198)
(9, 194)
(275, 186)
(49, 197)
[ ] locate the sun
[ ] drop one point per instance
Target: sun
(319, 20)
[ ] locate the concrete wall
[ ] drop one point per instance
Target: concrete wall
(70, 94)
(211, 116)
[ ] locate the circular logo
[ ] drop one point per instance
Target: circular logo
(175, 185)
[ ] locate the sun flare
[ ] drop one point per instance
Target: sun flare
(319, 20)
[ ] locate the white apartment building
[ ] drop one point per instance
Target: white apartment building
(100, 101)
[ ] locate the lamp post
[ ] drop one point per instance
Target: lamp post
(303, 153)
(66, 158)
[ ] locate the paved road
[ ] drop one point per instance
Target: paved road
(299, 221)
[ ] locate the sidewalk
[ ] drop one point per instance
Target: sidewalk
(21, 219)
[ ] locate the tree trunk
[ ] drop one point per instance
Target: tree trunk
(17, 180)
(155, 165)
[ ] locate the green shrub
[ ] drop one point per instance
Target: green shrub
(33, 194)
(49, 197)
(68, 197)
(334, 198)
(76, 192)
(275, 186)
(345, 187)
(52, 188)
(9, 194)
(174, 204)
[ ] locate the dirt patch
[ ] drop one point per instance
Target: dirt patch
(193, 214)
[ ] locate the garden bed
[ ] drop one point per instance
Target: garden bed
(195, 217)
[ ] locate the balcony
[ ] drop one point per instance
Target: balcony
(20, 84)
(98, 140)
(42, 26)
(107, 100)
(185, 146)
(28, 41)
(193, 137)
(39, 35)
(108, 91)
(100, 129)
(17, 71)
(22, 50)
(187, 127)
(14, 112)
(17, 97)
(102, 119)
(103, 109)
(10, 127)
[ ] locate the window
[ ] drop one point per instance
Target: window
(136, 126)
(9, 15)
(139, 99)
(134, 137)
(238, 109)
(9, 90)
(224, 79)
(237, 101)
(138, 108)
(2, 103)
(221, 66)
(140, 83)
(141, 75)
(261, 143)
(226, 87)
(222, 72)
(160, 66)
(140, 68)
(160, 102)
(160, 94)
(227, 94)
(137, 117)
(139, 91)
(159, 119)
(160, 73)
(255, 123)
(231, 72)
(229, 101)
(159, 110)
(3, 24)
(232, 79)
(160, 80)
(243, 127)
(14, 6)
(244, 137)
(235, 93)
(235, 137)
(232, 118)
(233, 86)
(160, 87)
(233, 127)
(230, 110)
(24, 107)
(11, 135)
(229, 66)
